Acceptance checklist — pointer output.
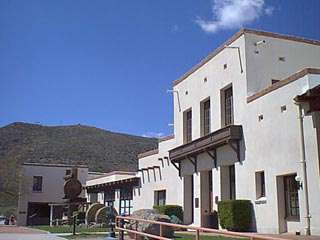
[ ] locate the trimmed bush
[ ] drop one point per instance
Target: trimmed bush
(235, 215)
(170, 210)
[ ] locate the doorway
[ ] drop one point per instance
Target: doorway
(188, 211)
(288, 201)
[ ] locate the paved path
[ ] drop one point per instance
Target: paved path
(23, 233)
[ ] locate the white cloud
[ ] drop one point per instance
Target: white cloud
(230, 14)
(153, 135)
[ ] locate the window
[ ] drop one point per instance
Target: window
(291, 188)
(68, 172)
(37, 184)
(260, 185)
(227, 106)
(160, 198)
(125, 201)
(187, 119)
(232, 181)
(109, 197)
(205, 117)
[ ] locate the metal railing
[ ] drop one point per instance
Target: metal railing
(120, 226)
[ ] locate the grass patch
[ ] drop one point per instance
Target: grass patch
(180, 236)
(86, 235)
(69, 229)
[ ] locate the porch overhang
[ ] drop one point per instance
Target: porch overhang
(129, 182)
(228, 135)
(311, 96)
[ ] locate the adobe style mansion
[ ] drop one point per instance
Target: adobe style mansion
(246, 126)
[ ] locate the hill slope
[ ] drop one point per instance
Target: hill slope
(77, 144)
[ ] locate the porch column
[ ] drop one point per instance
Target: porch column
(51, 215)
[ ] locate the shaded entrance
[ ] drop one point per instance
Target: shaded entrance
(38, 214)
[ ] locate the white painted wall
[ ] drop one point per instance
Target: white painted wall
(52, 186)
(143, 197)
(271, 145)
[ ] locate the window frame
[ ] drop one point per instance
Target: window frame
(288, 194)
(187, 125)
(35, 185)
(157, 200)
(260, 181)
(232, 182)
(205, 117)
(227, 106)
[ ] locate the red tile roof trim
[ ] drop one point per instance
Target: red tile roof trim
(283, 82)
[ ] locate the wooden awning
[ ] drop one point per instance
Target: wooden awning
(129, 182)
(311, 96)
(229, 134)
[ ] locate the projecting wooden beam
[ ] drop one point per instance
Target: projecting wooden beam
(178, 167)
(194, 161)
(161, 159)
(168, 162)
(236, 148)
(213, 155)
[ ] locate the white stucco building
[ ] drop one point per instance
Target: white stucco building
(237, 131)
(41, 191)
(160, 183)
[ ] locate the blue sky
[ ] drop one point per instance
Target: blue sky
(108, 63)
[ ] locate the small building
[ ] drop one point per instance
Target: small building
(113, 189)
(41, 192)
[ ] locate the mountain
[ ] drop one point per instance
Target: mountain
(99, 149)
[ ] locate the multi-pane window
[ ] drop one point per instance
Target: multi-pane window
(228, 106)
(125, 201)
(187, 115)
(160, 198)
(232, 181)
(205, 117)
(260, 185)
(109, 197)
(37, 184)
(291, 187)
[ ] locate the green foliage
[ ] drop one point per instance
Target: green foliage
(235, 215)
(170, 210)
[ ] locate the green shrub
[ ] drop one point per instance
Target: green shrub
(235, 215)
(170, 210)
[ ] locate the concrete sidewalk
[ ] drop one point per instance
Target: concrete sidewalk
(24, 233)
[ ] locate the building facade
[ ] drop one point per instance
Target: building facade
(160, 183)
(237, 132)
(42, 190)
(113, 189)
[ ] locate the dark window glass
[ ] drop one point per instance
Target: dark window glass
(210, 191)
(232, 180)
(291, 188)
(37, 184)
(206, 117)
(188, 126)
(228, 106)
(160, 198)
(125, 201)
(263, 185)
(109, 197)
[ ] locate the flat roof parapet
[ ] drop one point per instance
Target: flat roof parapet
(283, 82)
(53, 165)
(234, 38)
(148, 153)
